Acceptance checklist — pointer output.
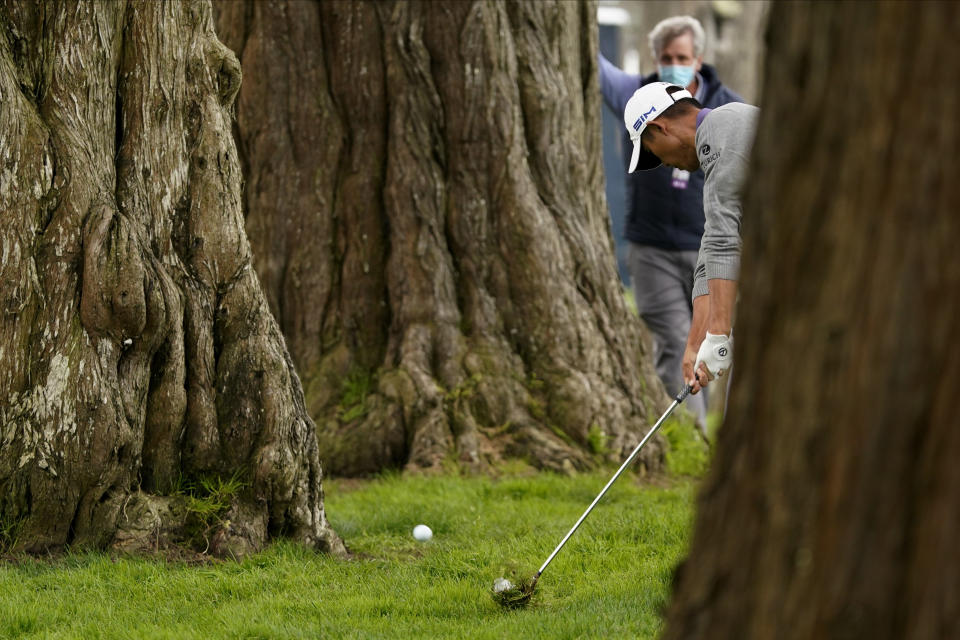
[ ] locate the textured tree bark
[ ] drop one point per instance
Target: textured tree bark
(136, 346)
(425, 204)
(831, 509)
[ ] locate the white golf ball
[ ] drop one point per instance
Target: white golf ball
(422, 532)
(501, 584)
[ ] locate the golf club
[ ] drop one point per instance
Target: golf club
(510, 595)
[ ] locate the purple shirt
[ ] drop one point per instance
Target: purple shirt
(703, 114)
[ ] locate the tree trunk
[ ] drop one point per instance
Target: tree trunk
(831, 509)
(425, 204)
(138, 356)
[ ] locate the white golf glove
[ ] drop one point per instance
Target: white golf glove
(716, 353)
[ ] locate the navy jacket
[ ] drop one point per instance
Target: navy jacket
(659, 213)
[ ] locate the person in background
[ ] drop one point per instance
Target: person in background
(665, 205)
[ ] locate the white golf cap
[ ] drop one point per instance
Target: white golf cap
(648, 102)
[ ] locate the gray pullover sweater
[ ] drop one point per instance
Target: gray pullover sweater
(724, 139)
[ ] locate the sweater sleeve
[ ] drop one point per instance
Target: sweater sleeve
(721, 230)
(700, 287)
(727, 137)
(616, 85)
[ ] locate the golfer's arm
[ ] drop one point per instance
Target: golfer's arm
(721, 242)
(723, 296)
(701, 306)
(698, 324)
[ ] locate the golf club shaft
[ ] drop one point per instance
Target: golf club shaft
(677, 400)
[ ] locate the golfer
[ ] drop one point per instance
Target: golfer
(665, 206)
(668, 126)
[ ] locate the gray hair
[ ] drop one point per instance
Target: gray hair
(667, 30)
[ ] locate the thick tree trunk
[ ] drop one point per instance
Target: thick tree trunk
(831, 510)
(425, 203)
(136, 347)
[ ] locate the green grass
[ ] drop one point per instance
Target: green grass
(688, 454)
(611, 580)
(207, 501)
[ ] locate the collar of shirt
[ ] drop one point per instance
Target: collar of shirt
(701, 89)
(703, 114)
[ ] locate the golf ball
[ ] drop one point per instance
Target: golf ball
(501, 584)
(422, 532)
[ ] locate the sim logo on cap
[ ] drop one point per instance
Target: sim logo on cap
(642, 118)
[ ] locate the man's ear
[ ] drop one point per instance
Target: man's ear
(656, 128)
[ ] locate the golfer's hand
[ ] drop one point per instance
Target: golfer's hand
(713, 358)
(690, 359)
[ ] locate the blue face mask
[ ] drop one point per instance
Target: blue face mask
(677, 74)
